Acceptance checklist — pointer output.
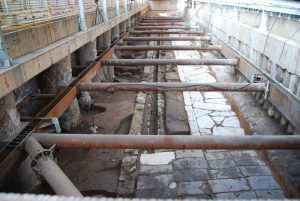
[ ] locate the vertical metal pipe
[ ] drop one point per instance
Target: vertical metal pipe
(56, 178)
(104, 10)
(4, 59)
(263, 21)
(125, 6)
(82, 24)
(117, 8)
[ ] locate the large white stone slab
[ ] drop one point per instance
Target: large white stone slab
(209, 95)
(161, 158)
(228, 131)
(205, 122)
(212, 106)
(231, 122)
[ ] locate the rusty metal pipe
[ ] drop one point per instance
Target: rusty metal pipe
(162, 87)
(163, 24)
(160, 27)
(162, 18)
(108, 141)
(161, 21)
(168, 32)
(199, 38)
(56, 178)
(167, 47)
(136, 62)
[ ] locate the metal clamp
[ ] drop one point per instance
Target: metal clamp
(259, 78)
(42, 153)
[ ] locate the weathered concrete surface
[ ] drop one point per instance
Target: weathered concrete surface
(52, 80)
(30, 65)
(9, 118)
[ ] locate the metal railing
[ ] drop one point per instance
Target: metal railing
(18, 14)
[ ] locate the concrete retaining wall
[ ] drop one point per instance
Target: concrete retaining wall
(274, 50)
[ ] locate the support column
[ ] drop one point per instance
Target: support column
(115, 33)
(9, 118)
(122, 27)
(87, 55)
(104, 11)
(128, 23)
(52, 80)
(263, 21)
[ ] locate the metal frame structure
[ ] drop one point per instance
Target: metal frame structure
(42, 158)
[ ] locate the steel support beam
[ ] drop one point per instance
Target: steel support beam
(199, 38)
(163, 87)
(136, 62)
(167, 47)
(160, 27)
(168, 32)
(108, 141)
(43, 162)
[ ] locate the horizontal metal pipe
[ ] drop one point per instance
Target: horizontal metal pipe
(168, 32)
(197, 38)
(56, 178)
(160, 21)
(163, 24)
(160, 27)
(167, 47)
(161, 87)
(107, 141)
(162, 18)
(136, 62)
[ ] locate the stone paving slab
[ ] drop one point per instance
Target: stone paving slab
(207, 174)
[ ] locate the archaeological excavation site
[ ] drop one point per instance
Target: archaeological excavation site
(149, 100)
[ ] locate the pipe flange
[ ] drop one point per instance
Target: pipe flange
(42, 153)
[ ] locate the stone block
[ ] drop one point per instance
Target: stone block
(189, 154)
(270, 194)
(245, 161)
(162, 158)
(228, 185)
(155, 169)
(221, 163)
(154, 182)
(263, 183)
(191, 175)
(230, 173)
(193, 188)
(256, 170)
(247, 195)
(190, 163)
(217, 155)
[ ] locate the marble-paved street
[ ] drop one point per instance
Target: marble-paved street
(206, 173)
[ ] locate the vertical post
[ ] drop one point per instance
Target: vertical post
(117, 8)
(104, 10)
(263, 21)
(4, 59)
(125, 6)
(81, 16)
(235, 14)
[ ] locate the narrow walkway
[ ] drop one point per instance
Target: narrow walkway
(206, 173)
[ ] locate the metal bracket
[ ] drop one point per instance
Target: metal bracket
(41, 154)
(259, 78)
(56, 124)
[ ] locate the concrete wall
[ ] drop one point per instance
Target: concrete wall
(274, 53)
(163, 5)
